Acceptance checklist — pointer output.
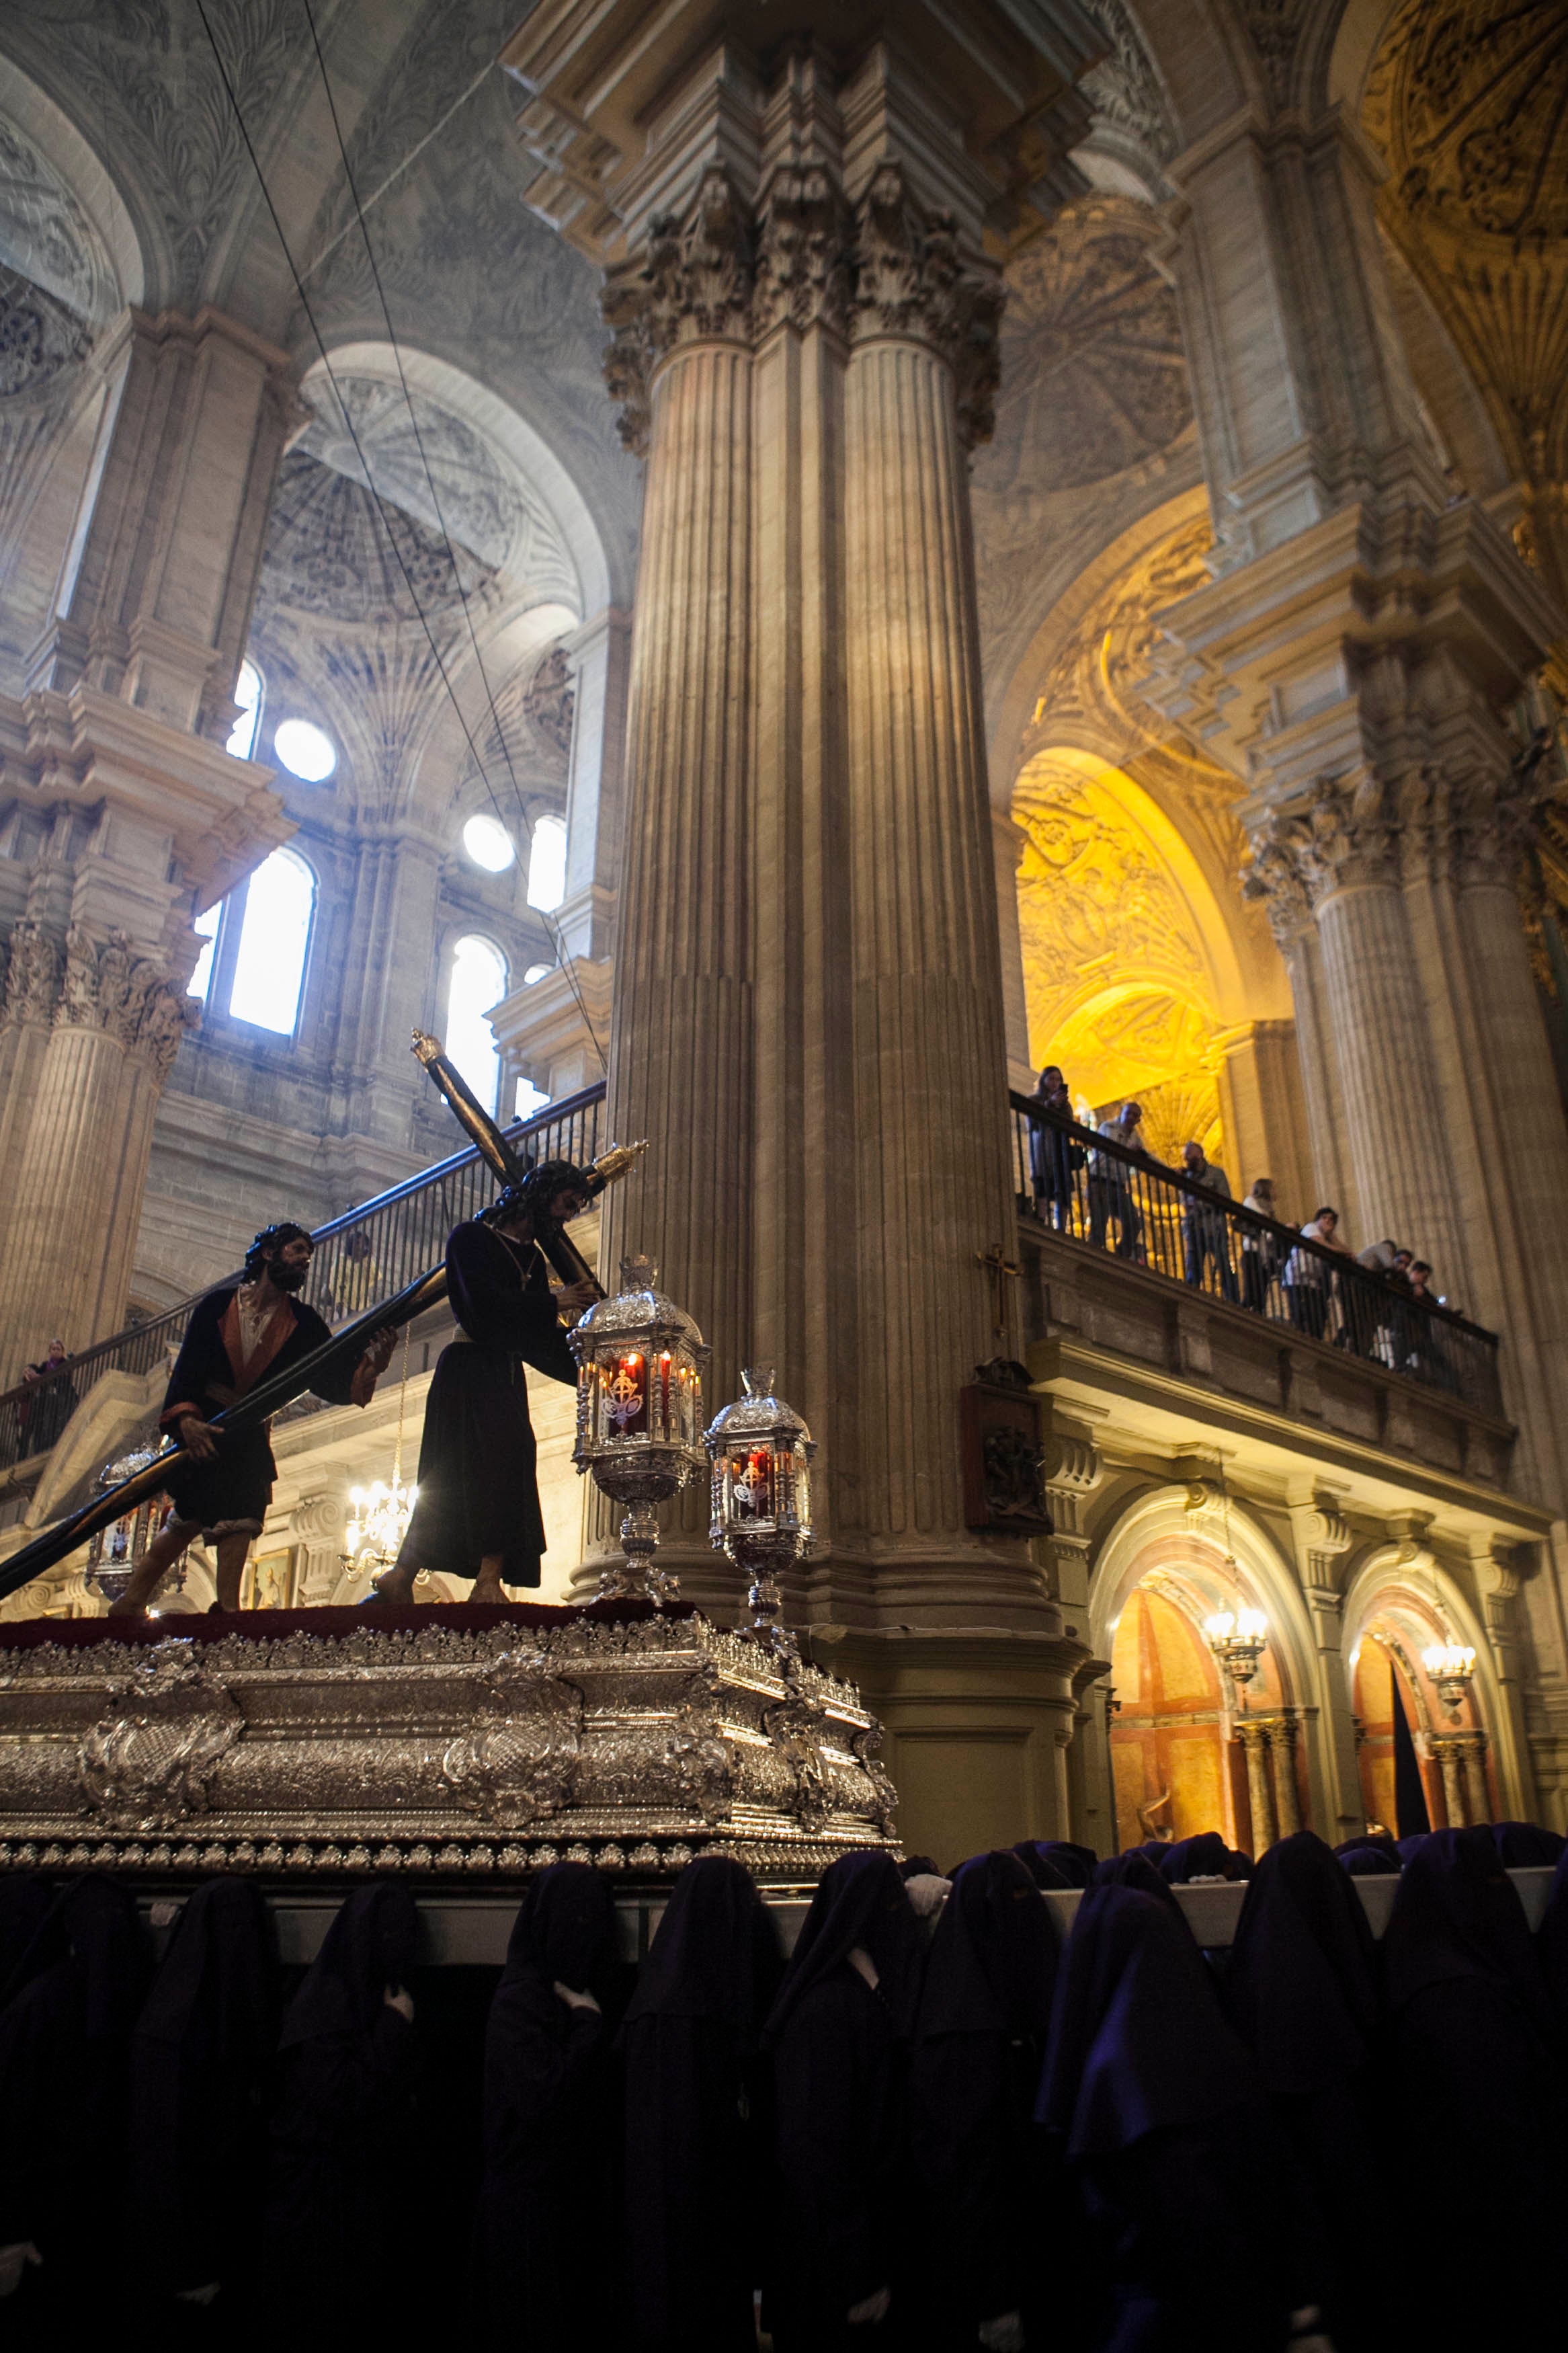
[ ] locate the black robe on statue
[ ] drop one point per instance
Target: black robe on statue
(696, 2137)
(549, 2225)
(980, 2039)
(839, 2069)
(478, 1493)
(337, 2248)
(200, 2061)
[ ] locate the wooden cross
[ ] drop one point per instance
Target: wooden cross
(1000, 1268)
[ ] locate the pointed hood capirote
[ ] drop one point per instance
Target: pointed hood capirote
(1458, 1914)
(1056, 1863)
(860, 1901)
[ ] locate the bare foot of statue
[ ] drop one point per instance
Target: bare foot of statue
(487, 1584)
(396, 1586)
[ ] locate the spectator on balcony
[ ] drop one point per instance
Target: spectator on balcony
(1204, 1233)
(1110, 1185)
(1309, 1279)
(1259, 1252)
(42, 1418)
(1053, 1157)
(1379, 1323)
(1426, 1353)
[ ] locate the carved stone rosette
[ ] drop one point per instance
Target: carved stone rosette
(630, 1745)
(801, 256)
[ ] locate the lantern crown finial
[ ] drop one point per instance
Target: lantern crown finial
(757, 1380)
(639, 1272)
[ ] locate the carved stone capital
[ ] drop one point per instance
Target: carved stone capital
(106, 985)
(1346, 837)
(32, 973)
(694, 283)
(804, 244)
(910, 280)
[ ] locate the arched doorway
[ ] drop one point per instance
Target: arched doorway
(1423, 1752)
(1188, 1753)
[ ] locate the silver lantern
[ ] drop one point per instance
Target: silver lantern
(640, 1418)
(761, 1452)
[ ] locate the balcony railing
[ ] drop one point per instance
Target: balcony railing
(362, 1258)
(1085, 1186)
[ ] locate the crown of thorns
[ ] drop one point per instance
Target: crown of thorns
(269, 1242)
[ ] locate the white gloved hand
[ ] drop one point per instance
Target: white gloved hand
(927, 1894)
(397, 1998)
(1004, 2334)
(200, 2295)
(14, 2261)
(870, 2308)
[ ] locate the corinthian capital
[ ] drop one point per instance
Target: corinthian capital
(693, 284)
(1344, 838)
(804, 246)
(910, 280)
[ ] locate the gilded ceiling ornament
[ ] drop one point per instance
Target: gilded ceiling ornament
(1468, 103)
(1094, 677)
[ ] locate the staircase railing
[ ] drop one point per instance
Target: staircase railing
(363, 1257)
(1093, 1190)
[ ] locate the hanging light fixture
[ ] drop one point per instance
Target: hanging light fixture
(1450, 1666)
(380, 1513)
(1238, 1639)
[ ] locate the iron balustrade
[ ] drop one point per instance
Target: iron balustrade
(363, 1257)
(1087, 1188)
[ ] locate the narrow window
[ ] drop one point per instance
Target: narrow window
(547, 863)
(529, 1100)
(477, 982)
(242, 735)
(269, 969)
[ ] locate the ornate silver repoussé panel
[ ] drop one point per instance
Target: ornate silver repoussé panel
(633, 1747)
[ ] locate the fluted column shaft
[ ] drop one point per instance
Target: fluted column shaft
(1260, 1791)
(1453, 1787)
(680, 1064)
(1477, 1799)
(1404, 1185)
(930, 1048)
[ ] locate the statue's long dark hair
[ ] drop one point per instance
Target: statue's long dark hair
(268, 1242)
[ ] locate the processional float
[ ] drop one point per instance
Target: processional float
(631, 1733)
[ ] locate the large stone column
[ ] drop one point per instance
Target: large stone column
(807, 1000)
(125, 818)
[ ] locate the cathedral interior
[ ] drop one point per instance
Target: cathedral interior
(768, 570)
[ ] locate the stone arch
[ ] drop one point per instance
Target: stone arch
(1409, 1592)
(75, 236)
(1182, 1546)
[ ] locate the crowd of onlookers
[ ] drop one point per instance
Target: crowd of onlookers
(1081, 1189)
(941, 2122)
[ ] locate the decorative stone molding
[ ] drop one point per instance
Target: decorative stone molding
(723, 272)
(32, 973)
(110, 987)
(804, 232)
(550, 702)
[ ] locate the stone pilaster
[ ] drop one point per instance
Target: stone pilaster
(1281, 1733)
(1254, 1738)
(153, 603)
(120, 829)
(1321, 1541)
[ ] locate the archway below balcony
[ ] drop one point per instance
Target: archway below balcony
(1178, 1739)
(1424, 1755)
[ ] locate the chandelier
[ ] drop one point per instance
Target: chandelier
(1450, 1666)
(1237, 1637)
(378, 1524)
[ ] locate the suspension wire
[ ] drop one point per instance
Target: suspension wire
(552, 929)
(397, 170)
(381, 502)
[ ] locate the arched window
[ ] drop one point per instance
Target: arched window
(477, 982)
(269, 970)
(247, 693)
(547, 863)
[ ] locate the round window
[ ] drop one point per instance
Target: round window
(305, 750)
(488, 844)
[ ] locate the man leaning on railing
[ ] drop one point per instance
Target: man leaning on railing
(1109, 1192)
(1206, 1233)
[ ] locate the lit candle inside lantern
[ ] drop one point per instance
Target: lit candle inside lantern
(625, 1396)
(754, 1484)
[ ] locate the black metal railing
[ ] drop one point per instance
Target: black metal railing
(368, 1255)
(1087, 1187)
